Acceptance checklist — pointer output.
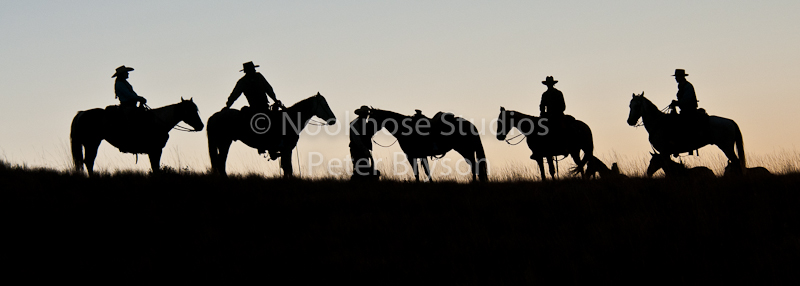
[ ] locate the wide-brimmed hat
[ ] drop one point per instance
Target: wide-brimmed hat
(549, 81)
(122, 69)
(249, 65)
(364, 110)
(680, 72)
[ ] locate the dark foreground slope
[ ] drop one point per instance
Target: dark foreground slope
(201, 228)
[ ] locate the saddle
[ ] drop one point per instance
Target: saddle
(263, 126)
(689, 130)
(133, 129)
(558, 134)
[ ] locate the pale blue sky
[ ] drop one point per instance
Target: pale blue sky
(467, 57)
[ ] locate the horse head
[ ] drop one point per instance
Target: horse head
(187, 111)
(502, 124)
(322, 110)
(637, 108)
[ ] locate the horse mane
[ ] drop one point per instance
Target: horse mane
(182, 102)
(649, 103)
(519, 114)
(302, 103)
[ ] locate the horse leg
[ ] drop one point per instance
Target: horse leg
(734, 160)
(414, 167)
(218, 151)
(90, 148)
(550, 165)
(286, 163)
(473, 165)
(426, 168)
(540, 161)
(155, 161)
(77, 154)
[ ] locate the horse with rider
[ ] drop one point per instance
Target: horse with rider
(273, 129)
(551, 134)
(673, 133)
(131, 128)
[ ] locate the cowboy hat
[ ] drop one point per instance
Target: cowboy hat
(549, 80)
(680, 72)
(122, 69)
(249, 65)
(364, 110)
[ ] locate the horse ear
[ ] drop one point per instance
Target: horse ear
(502, 109)
(633, 95)
(642, 93)
(182, 99)
(318, 93)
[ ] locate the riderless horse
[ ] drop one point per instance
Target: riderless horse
(667, 139)
(576, 137)
(277, 131)
(145, 133)
(434, 138)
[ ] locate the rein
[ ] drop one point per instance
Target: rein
(184, 128)
(315, 122)
(390, 145)
(508, 141)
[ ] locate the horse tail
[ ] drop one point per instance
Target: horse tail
(740, 148)
(578, 169)
(584, 137)
(213, 151)
(76, 143)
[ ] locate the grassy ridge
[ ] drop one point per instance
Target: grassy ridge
(197, 227)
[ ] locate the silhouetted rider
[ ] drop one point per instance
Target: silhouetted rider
(254, 86)
(687, 100)
(123, 90)
(552, 105)
(361, 132)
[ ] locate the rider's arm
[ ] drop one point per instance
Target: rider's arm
(543, 103)
(267, 87)
(237, 91)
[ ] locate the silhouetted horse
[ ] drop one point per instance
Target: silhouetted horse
(675, 170)
(277, 132)
(147, 134)
(434, 139)
(577, 137)
(663, 136)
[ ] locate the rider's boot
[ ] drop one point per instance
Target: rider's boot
(273, 155)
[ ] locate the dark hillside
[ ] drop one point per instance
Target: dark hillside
(137, 228)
